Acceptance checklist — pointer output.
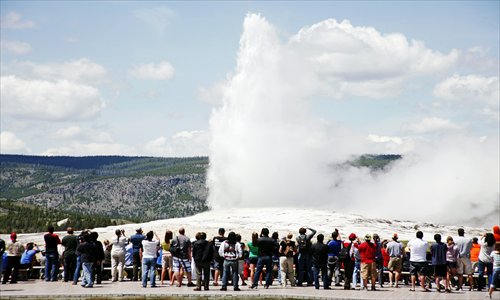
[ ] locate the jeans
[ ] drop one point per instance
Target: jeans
(495, 278)
(203, 270)
(87, 280)
(148, 269)
(78, 268)
(69, 266)
(1, 265)
(263, 261)
(324, 274)
(480, 269)
(51, 266)
(230, 267)
(334, 269)
(136, 261)
(304, 268)
(355, 274)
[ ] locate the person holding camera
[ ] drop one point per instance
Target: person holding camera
(119, 242)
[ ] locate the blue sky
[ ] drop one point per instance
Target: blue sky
(142, 78)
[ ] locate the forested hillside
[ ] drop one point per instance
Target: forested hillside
(101, 190)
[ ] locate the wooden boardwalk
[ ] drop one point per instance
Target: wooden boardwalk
(38, 289)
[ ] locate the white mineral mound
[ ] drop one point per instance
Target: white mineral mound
(283, 220)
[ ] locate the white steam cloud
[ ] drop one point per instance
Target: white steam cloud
(268, 149)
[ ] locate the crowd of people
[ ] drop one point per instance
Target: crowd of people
(362, 263)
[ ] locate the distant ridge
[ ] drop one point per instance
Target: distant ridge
(73, 162)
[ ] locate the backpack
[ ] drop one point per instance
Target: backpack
(344, 254)
(289, 249)
(174, 248)
(302, 243)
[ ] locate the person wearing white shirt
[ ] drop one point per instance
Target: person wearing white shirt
(150, 249)
(418, 260)
(230, 250)
(119, 242)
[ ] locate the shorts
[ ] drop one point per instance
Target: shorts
(451, 264)
(418, 267)
(368, 270)
(166, 261)
(440, 270)
(253, 260)
(464, 266)
(395, 264)
(219, 263)
(178, 263)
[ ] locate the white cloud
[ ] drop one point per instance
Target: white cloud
(364, 62)
(15, 21)
(79, 70)
(15, 47)
(214, 94)
(80, 149)
(363, 53)
(61, 100)
(185, 143)
(432, 124)
(470, 88)
(11, 144)
(72, 40)
(161, 71)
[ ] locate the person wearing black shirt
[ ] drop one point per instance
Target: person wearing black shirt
(319, 253)
(266, 250)
(70, 242)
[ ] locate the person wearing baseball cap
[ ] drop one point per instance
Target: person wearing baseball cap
(14, 252)
(395, 251)
(367, 250)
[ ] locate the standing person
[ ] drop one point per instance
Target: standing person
(304, 267)
(452, 256)
(218, 260)
(87, 253)
(2, 251)
(78, 268)
(319, 253)
(136, 241)
(395, 251)
(119, 242)
(14, 252)
(334, 247)
(487, 243)
(367, 251)
(266, 249)
(438, 253)
(464, 246)
(51, 254)
(149, 248)
(202, 255)
(241, 260)
(495, 255)
(357, 260)
(379, 259)
(253, 255)
(166, 257)
(348, 261)
(182, 257)
(230, 250)
(99, 257)
(418, 260)
(69, 242)
(496, 233)
(287, 251)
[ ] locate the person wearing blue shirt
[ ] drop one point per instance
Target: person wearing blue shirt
(136, 241)
(28, 257)
(334, 247)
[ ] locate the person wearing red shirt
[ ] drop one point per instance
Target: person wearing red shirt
(367, 251)
(51, 254)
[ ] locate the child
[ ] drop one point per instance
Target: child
(496, 267)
